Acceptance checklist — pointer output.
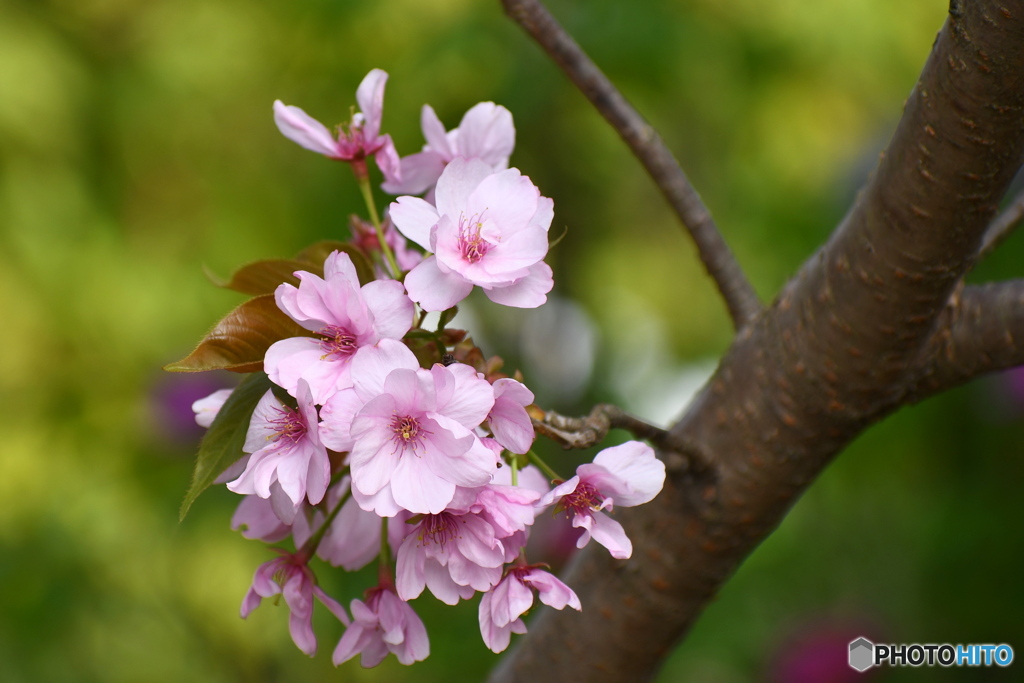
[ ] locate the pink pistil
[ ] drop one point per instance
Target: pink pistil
(338, 342)
(472, 246)
(585, 499)
(289, 426)
(407, 432)
(439, 528)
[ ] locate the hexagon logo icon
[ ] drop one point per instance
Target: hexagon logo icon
(862, 654)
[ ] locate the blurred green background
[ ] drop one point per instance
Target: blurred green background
(137, 146)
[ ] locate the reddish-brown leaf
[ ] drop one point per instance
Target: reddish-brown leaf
(241, 339)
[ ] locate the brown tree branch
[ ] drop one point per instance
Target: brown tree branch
(1002, 226)
(982, 331)
(840, 348)
(647, 146)
(584, 432)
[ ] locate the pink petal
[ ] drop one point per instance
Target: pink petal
(440, 583)
(255, 518)
(370, 96)
(336, 419)
(471, 397)
(456, 455)
(458, 181)
(301, 128)
(529, 292)
(506, 198)
(486, 132)
(608, 533)
(414, 218)
(381, 504)
(410, 579)
(418, 171)
(387, 160)
(636, 475)
(515, 252)
(339, 266)
(417, 489)
(261, 427)
(509, 420)
(435, 290)
(391, 308)
(206, 409)
(372, 364)
(551, 590)
(435, 135)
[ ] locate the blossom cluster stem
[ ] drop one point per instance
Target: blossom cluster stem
(371, 207)
(543, 466)
(309, 547)
(384, 561)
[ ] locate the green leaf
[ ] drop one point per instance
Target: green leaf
(241, 339)
(263, 277)
(446, 317)
(222, 444)
(317, 253)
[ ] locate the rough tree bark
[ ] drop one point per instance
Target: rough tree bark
(876, 319)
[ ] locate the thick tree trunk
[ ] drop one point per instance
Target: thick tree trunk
(876, 319)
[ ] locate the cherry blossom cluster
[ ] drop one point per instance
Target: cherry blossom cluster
(359, 452)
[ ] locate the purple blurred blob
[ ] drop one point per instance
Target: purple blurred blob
(171, 399)
(818, 652)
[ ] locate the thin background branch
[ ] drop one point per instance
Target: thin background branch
(647, 146)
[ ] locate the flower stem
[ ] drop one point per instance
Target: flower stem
(544, 467)
(309, 547)
(385, 549)
(515, 471)
(371, 206)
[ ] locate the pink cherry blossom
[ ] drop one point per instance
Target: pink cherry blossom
(627, 475)
(286, 451)
(409, 430)
(382, 624)
(453, 553)
(289, 575)
(485, 133)
(345, 316)
(206, 409)
(488, 229)
(502, 607)
(356, 141)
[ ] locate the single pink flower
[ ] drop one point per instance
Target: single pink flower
(345, 317)
(502, 607)
(286, 451)
(382, 624)
(409, 430)
(289, 575)
(485, 133)
(626, 475)
(488, 229)
(453, 553)
(356, 141)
